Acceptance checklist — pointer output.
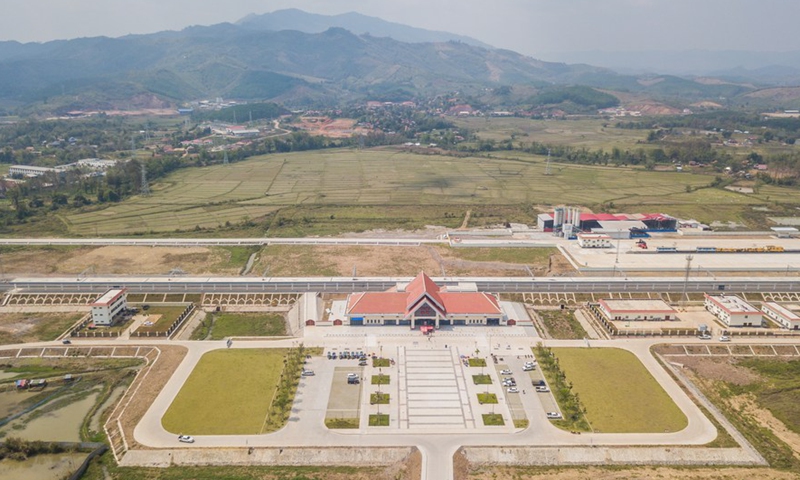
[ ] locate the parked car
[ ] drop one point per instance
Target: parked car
(528, 368)
(542, 389)
(512, 390)
(352, 375)
(362, 363)
(704, 336)
(66, 342)
(185, 439)
(308, 373)
(553, 415)
(724, 338)
(505, 372)
(353, 380)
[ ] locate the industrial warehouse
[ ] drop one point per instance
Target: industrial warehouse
(569, 221)
(634, 310)
(423, 303)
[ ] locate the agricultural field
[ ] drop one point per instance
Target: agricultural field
(229, 392)
(617, 391)
(224, 325)
(589, 133)
(118, 260)
(34, 327)
(335, 191)
(337, 261)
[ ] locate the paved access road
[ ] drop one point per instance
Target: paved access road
(306, 426)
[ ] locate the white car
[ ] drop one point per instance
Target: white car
(185, 439)
(308, 373)
(528, 368)
(704, 336)
(553, 415)
(505, 372)
(724, 338)
(512, 390)
(542, 389)
(352, 375)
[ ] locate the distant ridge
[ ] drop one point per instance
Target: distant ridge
(294, 19)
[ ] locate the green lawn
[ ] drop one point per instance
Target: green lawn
(619, 394)
(381, 379)
(379, 399)
(482, 379)
(381, 420)
(487, 398)
(477, 362)
(247, 325)
(228, 393)
(380, 362)
(493, 419)
(341, 423)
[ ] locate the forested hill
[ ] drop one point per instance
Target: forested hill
(238, 62)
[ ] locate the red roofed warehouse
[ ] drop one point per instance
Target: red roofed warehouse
(423, 302)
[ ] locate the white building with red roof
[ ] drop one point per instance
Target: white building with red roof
(423, 302)
(109, 305)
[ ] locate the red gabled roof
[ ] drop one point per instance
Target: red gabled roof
(470, 302)
(420, 287)
(376, 303)
(420, 290)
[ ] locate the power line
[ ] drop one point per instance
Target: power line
(145, 186)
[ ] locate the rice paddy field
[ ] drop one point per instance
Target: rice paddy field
(332, 191)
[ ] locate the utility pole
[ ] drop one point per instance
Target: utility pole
(689, 259)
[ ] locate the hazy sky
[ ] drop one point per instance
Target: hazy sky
(527, 26)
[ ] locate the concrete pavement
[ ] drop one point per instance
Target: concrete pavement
(306, 426)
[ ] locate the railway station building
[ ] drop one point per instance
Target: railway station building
(733, 311)
(108, 306)
(636, 310)
(422, 302)
(781, 315)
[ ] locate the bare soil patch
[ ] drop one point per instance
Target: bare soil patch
(747, 404)
(617, 473)
(171, 357)
(324, 260)
(718, 368)
(118, 260)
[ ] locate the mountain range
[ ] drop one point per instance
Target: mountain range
(268, 57)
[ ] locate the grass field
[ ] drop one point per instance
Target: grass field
(229, 392)
(34, 327)
(562, 324)
(619, 394)
(325, 192)
(247, 325)
(778, 390)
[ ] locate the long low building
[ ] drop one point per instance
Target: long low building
(733, 311)
(637, 310)
(782, 315)
(422, 302)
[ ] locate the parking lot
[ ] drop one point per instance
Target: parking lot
(345, 398)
